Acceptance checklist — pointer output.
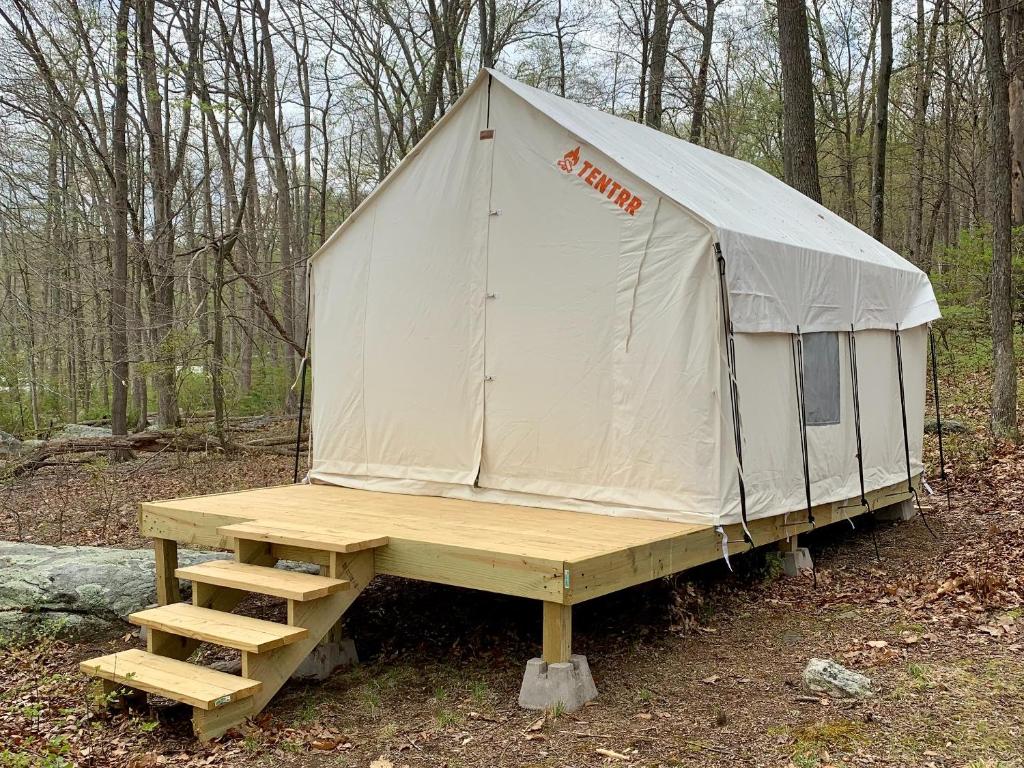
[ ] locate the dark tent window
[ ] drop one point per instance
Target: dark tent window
(821, 378)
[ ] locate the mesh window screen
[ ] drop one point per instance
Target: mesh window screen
(821, 378)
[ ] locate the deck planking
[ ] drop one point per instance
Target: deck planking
(553, 555)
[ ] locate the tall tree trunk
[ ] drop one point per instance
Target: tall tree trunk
(659, 55)
(799, 148)
(487, 10)
(140, 382)
(880, 144)
(947, 131)
(1015, 70)
(284, 202)
(922, 91)
(30, 327)
(161, 251)
(119, 252)
(560, 37)
(1004, 386)
(700, 86)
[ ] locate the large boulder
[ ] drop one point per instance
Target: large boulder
(949, 427)
(73, 431)
(78, 591)
(9, 444)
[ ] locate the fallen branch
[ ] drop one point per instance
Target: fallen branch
(140, 441)
(273, 440)
(279, 450)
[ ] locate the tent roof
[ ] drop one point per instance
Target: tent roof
(790, 261)
(726, 193)
(756, 217)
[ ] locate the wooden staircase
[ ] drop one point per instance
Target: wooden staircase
(270, 651)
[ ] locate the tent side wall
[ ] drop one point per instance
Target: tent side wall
(773, 466)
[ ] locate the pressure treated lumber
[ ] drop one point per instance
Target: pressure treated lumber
(166, 559)
(211, 626)
(264, 581)
(308, 536)
(545, 554)
(273, 669)
(200, 687)
(557, 634)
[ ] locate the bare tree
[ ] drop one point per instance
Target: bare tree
(925, 53)
(705, 27)
(881, 141)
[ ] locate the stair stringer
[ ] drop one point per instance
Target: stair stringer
(208, 596)
(274, 668)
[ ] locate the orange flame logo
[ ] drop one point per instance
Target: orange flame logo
(569, 160)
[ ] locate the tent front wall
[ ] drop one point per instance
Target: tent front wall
(497, 325)
(398, 328)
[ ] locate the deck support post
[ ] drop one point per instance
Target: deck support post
(900, 512)
(557, 635)
(166, 560)
(795, 559)
(559, 679)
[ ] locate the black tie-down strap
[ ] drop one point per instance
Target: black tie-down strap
(906, 435)
(938, 415)
(801, 412)
(855, 392)
(734, 397)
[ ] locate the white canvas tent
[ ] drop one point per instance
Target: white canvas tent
(529, 310)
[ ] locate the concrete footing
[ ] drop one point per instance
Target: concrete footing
(566, 684)
(325, 658)
(896, 513)
(796, 560)
(321, 662)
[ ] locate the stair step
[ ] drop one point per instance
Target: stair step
(297, 536)
(227, 629)
(262, 580)
(178, 680)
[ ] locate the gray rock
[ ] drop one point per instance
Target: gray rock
(9, 444)
(30, 445)
(949, 427)
(76, 591)
(826, 676)
(72, 431)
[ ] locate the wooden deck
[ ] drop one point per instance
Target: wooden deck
(560, 558)
(551, 555)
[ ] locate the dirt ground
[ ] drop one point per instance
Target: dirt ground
(700, 670)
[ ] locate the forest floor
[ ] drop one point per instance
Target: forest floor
(699, 670)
